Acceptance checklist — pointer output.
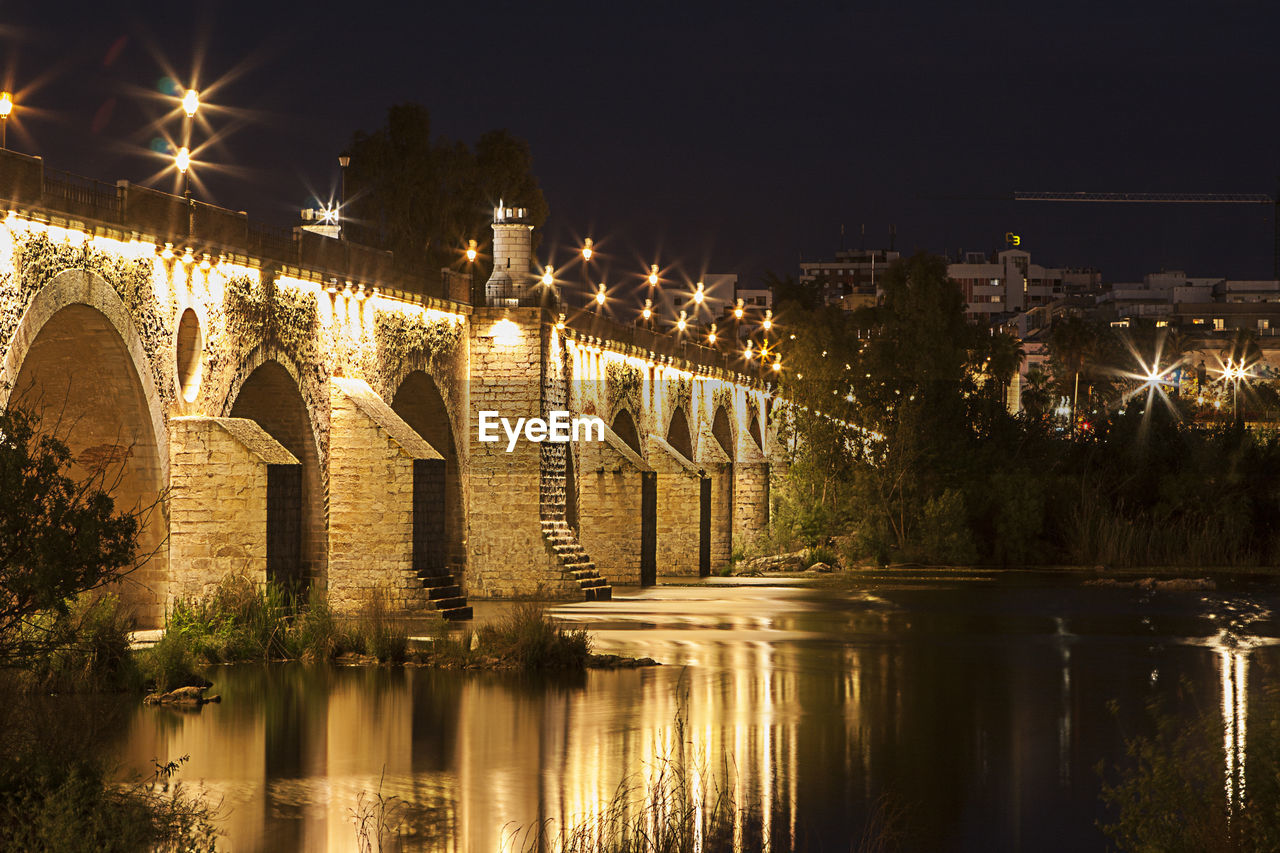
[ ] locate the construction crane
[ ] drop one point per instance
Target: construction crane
(1173, 198)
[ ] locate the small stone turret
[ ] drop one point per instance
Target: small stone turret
(512, 249)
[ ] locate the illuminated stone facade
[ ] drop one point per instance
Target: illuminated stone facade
(273, 415)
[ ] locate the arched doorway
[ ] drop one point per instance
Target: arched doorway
(420, 404)
(80, 376)
(270, 396)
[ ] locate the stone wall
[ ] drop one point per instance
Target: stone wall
(218, 501)
(371, 502)
(610, 479)
(679, 490)
(507, 555)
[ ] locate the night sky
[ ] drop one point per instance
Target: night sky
(719, 137)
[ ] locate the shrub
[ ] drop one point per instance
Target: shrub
(945, 536)
(530, 640)
(84, 648)
(375, 633)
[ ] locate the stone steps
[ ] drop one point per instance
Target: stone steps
(575, 560)
(445, 597)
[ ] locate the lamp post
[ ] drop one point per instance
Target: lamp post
(344, 161)
(190, 105)
(6, 107)
(183, 161)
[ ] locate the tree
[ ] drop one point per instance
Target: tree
(59, 536)
(424, 198)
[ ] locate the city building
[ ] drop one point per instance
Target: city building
(1006, 285)
(849, 281)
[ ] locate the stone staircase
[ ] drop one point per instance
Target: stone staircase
(573, 557)
(445, 597)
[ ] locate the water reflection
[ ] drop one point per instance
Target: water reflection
(969, 705)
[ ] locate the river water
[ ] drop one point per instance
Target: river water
(975, 707)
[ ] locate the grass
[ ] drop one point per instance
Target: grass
(243, 621)
(524, 639)
(684, 808)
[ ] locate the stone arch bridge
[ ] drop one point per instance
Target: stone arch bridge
(297, 408)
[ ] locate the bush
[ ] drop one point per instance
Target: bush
(376, 634)
(85, 648)
(528, 638)
(945, 536)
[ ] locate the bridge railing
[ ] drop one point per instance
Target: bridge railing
(208, 229)
(81, 195)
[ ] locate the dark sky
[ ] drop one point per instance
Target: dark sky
(714, 136)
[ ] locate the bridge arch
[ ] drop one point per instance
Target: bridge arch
(78, 360)
(270, 394)
(624, 426)
(722, 432)
(678, 434)
(420, 403)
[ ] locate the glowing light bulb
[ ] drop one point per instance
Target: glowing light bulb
(600, 297)
(699, 295)
(711, 336)
(548, 277)
(768, 320)
(748, 352)
(471, 250)
(648, 309)
(653, 274)
(167, 252)
(737, 310)
(191, 102)
(183, 160)
(681, 323)
(6, 104)
(586, 249)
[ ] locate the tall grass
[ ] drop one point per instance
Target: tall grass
(681, 806)
(1100, 535)
(243, 621)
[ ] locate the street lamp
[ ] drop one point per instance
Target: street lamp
(191, 103)
(548, 276)
(653, 275)
(343, 162)
(6, 107)
(600, 297)
(647, 311)
(471, 251)
(586, 249)
(711, 336)
(768, 319)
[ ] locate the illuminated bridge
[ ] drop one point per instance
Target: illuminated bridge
(299, 408)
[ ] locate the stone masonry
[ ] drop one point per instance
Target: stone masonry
(218, 501)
